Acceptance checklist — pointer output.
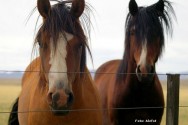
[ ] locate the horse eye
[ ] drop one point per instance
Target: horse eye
(40, 44)
(80, 46)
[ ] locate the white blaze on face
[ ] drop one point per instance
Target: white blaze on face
(143, 55)
(58, 71)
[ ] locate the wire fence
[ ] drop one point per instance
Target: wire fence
(84, 110)
(91, 109)
(93, 72)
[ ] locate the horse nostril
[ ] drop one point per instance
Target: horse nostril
(138, 69)
(151, 69)
(70, 98)
(55, 97)
(138, 73)
(49, 98)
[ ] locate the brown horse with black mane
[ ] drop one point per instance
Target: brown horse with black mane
(130, 90)
(55, 91)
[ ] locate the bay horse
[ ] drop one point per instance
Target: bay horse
(130, 89)
(57, 88)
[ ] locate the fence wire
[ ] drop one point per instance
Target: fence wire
(84, 110)
(92, 72)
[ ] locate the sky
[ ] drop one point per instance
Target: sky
(107, 35)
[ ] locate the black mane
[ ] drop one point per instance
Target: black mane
(60, 20)
(149, 24)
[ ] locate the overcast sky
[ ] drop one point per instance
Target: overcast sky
(107, 38)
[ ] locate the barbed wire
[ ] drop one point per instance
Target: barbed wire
(84, 110)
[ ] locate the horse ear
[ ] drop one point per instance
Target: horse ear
(159, 6)
(133, 7)
(44, 7)
(77, 8)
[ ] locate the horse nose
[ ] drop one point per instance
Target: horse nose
(145, 72)
(60, 99)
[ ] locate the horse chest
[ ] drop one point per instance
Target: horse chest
(140, 97)
(136, 107)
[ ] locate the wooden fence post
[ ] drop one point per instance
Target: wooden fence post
(173, 83)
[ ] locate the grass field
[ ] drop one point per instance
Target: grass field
(10, 89)
(183, 101)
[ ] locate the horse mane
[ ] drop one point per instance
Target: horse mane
(149, 24)
(61, 21)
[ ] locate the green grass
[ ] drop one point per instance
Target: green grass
(10, 89)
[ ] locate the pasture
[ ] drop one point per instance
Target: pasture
(10, 88)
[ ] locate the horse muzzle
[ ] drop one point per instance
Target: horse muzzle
(145, 74)
(60, 102)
